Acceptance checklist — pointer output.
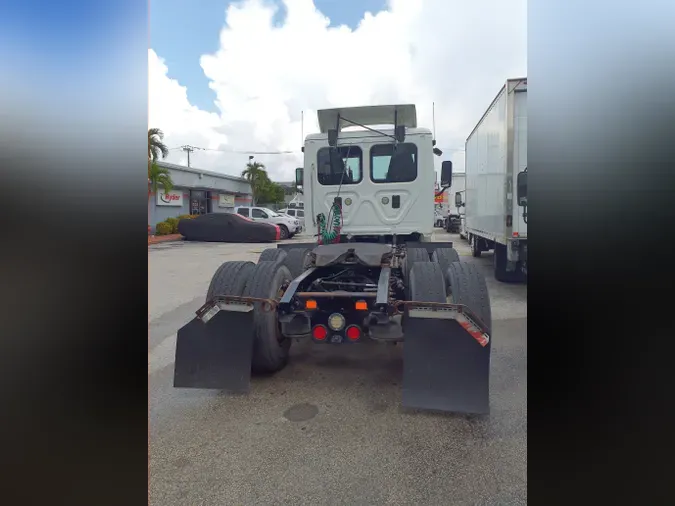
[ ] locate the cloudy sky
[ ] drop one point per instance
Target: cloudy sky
(233, 77)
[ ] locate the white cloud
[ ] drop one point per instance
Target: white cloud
(454, 53)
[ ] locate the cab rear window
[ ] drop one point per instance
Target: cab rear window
(342, 165)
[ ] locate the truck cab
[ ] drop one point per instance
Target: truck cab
(381, 176)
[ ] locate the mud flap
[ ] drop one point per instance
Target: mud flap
(214, 350)
(445, 368)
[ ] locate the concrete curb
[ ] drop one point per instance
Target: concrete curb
(156, 239)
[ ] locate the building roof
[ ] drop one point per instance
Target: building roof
(194, 170)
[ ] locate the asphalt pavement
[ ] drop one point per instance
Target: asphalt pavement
(329, 428)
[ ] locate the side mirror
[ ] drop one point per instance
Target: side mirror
(458, 199)
(521, 188)
(299, 174)
(446, 174)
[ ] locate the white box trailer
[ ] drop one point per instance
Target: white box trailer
(496, 153)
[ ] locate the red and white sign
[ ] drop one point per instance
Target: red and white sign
(172, 198)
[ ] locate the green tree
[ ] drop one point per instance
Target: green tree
(156, 147)
(257, 177)
(271, 193)
(159, 176)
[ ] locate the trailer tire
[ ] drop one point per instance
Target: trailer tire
(467, 286)
(444, 257)
(270, 348)
(499, 264)
(272, 255)
(426, 282)
(297, 261)
(475, 248)
(229, 279)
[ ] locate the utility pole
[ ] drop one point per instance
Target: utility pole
(188, 149)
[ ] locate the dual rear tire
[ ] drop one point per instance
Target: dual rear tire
(434, 279)
(459, 283)
(266, 280)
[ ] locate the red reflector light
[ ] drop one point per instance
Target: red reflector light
(320, 332)
(353, 332)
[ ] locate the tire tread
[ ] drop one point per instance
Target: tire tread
(229, 279)
(467, 286)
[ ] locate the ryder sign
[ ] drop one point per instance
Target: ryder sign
(172, 198)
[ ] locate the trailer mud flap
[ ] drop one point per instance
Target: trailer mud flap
(214, 350)
(446, 366)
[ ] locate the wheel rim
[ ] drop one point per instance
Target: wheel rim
(284, 233)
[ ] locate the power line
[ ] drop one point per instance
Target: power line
(241, 152)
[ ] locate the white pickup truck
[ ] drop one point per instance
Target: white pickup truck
(288, 226)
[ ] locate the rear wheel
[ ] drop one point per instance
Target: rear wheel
(270, 348)
(297, 261)
(475, 246)
(414, 255)
(272, 255)
(500, 262)
(426, 282)
(444, 257)
(467, 286)
(229, 279)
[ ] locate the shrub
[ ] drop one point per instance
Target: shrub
(187, 217)
(164, 228)
(174, 224)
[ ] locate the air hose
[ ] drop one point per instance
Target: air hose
(330, 233)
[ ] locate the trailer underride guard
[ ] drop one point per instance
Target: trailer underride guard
(373, 276)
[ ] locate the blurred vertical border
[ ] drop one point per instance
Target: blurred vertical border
(601, 156)
(73, 254)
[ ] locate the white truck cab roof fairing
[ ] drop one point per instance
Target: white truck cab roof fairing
(378, 197)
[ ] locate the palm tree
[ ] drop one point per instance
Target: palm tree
(159, 176)
(156, 147)
(256, 175)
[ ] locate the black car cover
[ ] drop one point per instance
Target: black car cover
(227, 227)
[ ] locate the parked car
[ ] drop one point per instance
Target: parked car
(296, 213)
(289, 226)
(227, 227)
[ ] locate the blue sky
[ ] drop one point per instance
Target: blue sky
(183, 30)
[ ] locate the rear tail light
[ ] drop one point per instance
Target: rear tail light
(320, 332)
(353, 333)
(361, 305)
(310, 304)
